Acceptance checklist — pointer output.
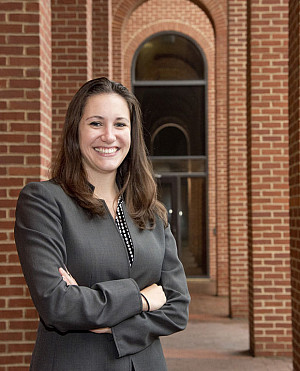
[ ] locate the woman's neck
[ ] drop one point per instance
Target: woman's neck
(106, 192)
(104, 185)
(105, 188)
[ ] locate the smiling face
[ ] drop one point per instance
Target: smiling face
(104, 134)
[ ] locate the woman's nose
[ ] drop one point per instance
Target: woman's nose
(108, 134)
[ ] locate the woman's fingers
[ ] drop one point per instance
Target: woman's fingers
(66, 276)
(104, 330)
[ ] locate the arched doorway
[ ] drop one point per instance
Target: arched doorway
(169, 79)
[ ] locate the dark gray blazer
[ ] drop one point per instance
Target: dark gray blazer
(53, 231)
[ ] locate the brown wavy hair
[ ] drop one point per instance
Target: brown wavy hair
(134, 176)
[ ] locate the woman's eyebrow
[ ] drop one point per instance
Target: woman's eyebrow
(102, 118)
(122, 118)
(94, 117)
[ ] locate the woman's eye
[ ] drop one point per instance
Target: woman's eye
(95, 123)
(120, 124)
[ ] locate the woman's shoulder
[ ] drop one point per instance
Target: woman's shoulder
(45, 189)
(48, 194)
(44, 185)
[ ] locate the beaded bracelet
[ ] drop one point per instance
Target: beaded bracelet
(148, 305)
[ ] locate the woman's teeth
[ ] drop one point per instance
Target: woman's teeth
(106, 150)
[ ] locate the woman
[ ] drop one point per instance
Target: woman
(99, 218)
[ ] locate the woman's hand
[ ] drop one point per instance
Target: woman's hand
(66, 276)
(104, 330)
(155, 296)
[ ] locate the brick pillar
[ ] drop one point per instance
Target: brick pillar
(221, 140)
(268, 164)
(71, 53)
(25, 114)
(102, 22)
(294, 136)
(238, 249)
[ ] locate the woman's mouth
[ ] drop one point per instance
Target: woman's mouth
(106, 150)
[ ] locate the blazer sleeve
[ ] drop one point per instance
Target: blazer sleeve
(138, 332)
(42, 250)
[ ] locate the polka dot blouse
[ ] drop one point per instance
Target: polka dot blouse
(123, 228)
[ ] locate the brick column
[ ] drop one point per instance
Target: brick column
(294, 136)
(71, 53)
(221, 156)
(238, 249)
(25, 114)
(102, 21)
(268, 164)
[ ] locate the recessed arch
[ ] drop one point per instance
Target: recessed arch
(190, 57)
(169, 77)
(185, 146)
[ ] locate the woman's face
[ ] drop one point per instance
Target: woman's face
(104, 134)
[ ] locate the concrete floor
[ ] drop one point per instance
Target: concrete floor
(212, 341)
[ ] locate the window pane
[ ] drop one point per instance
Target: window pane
(170, 141)
(180, 105)
(169, 57)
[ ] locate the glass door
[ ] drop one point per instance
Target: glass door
(169, 195)
(185, 200)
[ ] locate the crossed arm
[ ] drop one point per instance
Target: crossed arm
(153, 297)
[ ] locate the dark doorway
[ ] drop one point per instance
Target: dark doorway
(185, 200)
(169, 79)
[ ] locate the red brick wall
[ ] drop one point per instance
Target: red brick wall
(294, 136)
(71, 55)
(269, 255)
(102, 51)
(237, 147)
(25, 105)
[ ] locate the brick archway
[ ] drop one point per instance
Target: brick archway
(215, 14)
(208, 48)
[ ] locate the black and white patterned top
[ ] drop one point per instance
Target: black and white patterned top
(123, 228)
